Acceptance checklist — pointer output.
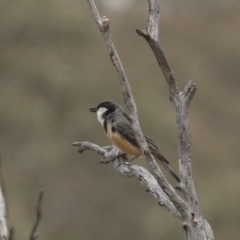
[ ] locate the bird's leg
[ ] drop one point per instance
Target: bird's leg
(112, 160)
(120, 155)
(133, 158)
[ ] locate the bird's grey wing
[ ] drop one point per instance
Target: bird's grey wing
(121, 123)
(124, 128)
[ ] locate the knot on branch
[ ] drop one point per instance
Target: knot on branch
(194, 219)
(105, 22)
(146, 150)
(189, 92)
(82, 146)
(143, 33)
(109, 153)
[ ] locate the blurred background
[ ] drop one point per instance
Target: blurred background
(54, 65)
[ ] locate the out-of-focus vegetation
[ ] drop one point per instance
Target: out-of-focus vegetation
(54, 66)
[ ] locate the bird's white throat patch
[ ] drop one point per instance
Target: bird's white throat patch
(100, 113)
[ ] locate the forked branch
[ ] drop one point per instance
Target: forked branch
(129, 100)
(195, 226)
(181, 101)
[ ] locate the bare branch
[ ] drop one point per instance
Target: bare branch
(3, 220)
(189, 92)
(33, 234)
(129, 170)
(103, 24)
(195, 225)
(126, 88)
(147, 180)
(97, 16)
(129, 100)
(11, 234)
(108, 154)
(4, 202)
(2, 184)
(152, 39)
(181, 101)
(153, 19)
(162, 61)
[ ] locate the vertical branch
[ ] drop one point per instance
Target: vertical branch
(181, 101)
(181, 108)
(4, 231)
(103, 24)
(194, 225)
(3, 220)
(153, 19)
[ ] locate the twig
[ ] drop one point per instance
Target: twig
(108, 153)
(33, 234)
(11, 234)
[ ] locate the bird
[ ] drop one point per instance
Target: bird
(119, 130)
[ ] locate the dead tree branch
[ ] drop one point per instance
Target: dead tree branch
(129, 170)
(194, 225)
(181, 102)
(147, 180)
(103, 24)
(3, 219)
(33, 234)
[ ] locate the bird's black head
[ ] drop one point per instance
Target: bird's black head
(107, 105)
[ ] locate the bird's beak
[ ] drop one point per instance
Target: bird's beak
(93, 109)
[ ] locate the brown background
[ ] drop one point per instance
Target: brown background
(54, 66)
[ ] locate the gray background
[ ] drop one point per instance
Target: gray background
(54, 65)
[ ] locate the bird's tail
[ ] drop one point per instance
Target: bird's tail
(165, 163)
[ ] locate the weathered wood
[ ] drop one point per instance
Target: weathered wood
(3, 220)
(194, 225)
(103, 24)
(126, 169)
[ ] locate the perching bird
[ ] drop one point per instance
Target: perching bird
(118, 128)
